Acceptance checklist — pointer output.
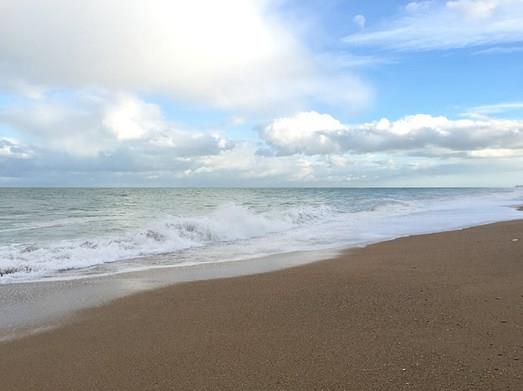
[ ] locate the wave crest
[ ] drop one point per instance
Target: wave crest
(227, 223)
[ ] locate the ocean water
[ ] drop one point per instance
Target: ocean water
(73, 233)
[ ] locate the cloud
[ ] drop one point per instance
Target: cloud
(244, 162)
(485, 110)
(306, 132)
(14, 150)
(230, 54)
(501, 50)
(130, 118)
(241, 165)
(312, 133)
(496, 153)
(475, 9)
(90, 123)
(430, 25)
(94, 137)
(359, 20)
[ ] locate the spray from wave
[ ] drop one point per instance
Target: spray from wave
(227, 223)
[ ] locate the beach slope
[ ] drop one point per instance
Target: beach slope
(431, 312)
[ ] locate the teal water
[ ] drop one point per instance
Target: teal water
(60, 233)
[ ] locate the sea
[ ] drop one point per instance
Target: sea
(73, 233)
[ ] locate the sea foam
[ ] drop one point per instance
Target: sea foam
(228, 223)
(289, 221)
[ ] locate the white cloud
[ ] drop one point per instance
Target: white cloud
(500, 50)
(418, 6)
(306, 132)
(428, 25)
(485, 110)
(359, 20)
(89, 123)
(187, 143)
(230, 53)
(313, 133)
(131, 118)
(22, 88)
(243, 162)
(496, 153)
(58, 125)
(12, 149)
(475, 9)
(241, 165)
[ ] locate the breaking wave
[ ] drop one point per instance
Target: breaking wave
(46, 244)
(228, 223)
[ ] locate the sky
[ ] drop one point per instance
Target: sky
(261, 93)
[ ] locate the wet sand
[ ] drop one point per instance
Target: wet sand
(430, 312)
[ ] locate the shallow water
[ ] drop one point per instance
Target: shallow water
(70, 233)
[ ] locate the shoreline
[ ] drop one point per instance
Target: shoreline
(441, 310)
(29, 307)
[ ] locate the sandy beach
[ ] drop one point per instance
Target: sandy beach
(431, 312)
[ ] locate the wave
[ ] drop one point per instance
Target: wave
(233, 232)
(227, 223)
(55, 223)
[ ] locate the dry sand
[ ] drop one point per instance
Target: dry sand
(432, 312)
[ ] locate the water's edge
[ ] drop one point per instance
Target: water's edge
(32, 307)
(37, 306)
